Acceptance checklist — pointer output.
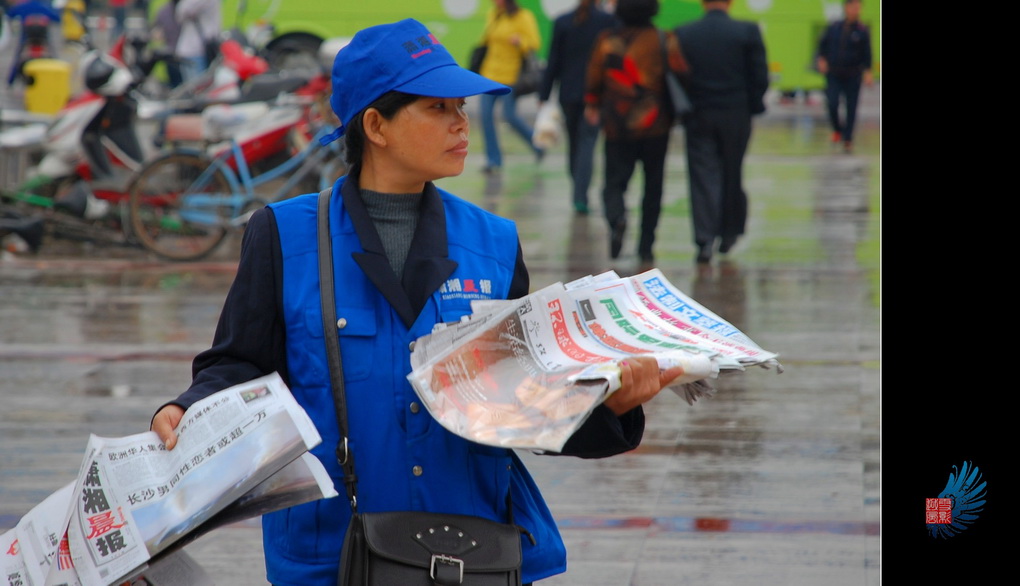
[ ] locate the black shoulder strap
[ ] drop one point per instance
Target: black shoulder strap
(329, 326)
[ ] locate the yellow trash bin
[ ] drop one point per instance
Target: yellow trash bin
(47, 85)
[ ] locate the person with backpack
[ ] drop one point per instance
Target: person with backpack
(626, 94)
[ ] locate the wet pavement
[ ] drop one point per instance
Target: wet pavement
(773, 481)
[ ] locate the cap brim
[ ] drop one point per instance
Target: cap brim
(451, 81)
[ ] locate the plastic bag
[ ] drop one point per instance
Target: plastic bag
(548, 126)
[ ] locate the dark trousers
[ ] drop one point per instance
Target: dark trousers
(622, 157)
(581, 140)
(716, 143)
(849, 90)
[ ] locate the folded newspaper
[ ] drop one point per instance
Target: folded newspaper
(527, 373)
(241, 452)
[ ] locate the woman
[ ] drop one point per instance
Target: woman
(627, 94)
(510, 33)
(398, 241)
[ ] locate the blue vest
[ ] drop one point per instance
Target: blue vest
(404, 459)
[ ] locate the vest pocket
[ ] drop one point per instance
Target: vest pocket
(357, 330)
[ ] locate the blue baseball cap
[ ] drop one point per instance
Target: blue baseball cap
(402, 56)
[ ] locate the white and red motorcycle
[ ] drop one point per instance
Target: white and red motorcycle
(91, 149)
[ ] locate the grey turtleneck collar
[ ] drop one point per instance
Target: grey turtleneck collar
(395, 216)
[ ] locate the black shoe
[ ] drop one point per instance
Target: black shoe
(616, 239)
(726, 244)
(704, 253)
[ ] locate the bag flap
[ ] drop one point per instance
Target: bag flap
(412, 538)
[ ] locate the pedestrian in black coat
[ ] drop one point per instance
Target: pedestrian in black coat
(727, 83)
(573, 37)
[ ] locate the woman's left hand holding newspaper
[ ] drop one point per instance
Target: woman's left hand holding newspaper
(165, 422)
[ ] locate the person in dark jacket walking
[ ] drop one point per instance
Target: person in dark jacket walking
(573, 36)
(844, 58)
(727, 84)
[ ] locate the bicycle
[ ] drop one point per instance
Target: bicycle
(182, 204)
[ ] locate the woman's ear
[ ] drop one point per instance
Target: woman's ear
(375, 125)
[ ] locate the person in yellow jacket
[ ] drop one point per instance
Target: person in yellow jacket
(510, 33)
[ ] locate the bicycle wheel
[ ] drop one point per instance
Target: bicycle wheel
(178, 212)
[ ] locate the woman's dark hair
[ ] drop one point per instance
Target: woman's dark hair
(354, 135)
(637, 12)
(510, 7)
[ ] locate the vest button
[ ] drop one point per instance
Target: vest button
(415, 407)
(411, 345)
(417, 471)
(341, 323)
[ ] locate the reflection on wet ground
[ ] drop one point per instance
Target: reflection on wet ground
(774, 480)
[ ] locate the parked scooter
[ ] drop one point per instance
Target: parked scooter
(92, 148)
(35, 20)
(238, 75)
(236, 79)
(89, 151)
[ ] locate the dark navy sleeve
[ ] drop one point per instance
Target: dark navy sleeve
(605, 434)
(521, 283)
(250, 336)
(554, 63)
(866, 49)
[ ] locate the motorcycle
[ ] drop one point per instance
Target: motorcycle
(277, 112)
(91, 149)
(35, 20)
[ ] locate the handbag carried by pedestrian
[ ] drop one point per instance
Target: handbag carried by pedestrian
(531, 74)
(681, 104)
(479, 52)
(409, 548)
(477, 56)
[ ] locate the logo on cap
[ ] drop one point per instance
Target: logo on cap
(420, 45)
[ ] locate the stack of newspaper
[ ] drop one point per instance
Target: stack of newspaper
(527, 373)
(241, 452)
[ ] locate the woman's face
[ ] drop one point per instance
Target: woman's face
(429, 139)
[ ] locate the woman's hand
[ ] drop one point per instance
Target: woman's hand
(165, 422)
(640, 381)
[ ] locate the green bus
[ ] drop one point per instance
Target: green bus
(296, 28)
